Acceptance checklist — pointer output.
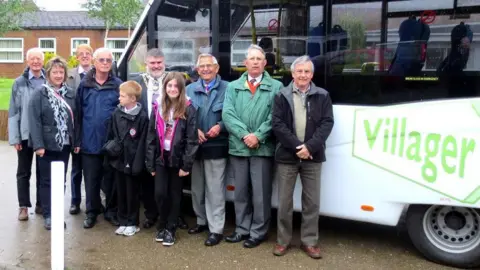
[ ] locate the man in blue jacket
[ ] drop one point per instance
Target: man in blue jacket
(208, 173)
(97, 98)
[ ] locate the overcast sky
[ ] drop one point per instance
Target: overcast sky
(60, 5)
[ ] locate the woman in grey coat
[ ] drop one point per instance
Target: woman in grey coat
(51, 124)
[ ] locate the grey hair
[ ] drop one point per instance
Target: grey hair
(102, 50)
(214, 59)
(35, 50)
(255, 47)
(155, 53)
(302, 60)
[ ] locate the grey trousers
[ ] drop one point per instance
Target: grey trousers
(286, 179)
(208, 193)
(252, 195)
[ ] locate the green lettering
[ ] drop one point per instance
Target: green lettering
(414, 146)
(394, 136)
(372, 138)
(449, 149)
(466, 148)
(385, 135)
(402, 136)
(431, 150)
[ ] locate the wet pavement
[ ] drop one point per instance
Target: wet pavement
(345, 244)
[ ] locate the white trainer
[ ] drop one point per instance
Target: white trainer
(131, 230)
(120, 230)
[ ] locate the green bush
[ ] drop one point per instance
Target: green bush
(72, 61)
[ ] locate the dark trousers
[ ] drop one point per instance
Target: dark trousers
(45, 175)
(97, 177)
(24, 172)
(168, 195)
(76, 181)
(128, 198)
(147, 189)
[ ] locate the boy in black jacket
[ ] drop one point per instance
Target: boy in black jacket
(125, 151)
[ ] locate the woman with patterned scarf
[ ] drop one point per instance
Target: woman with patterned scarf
(51, 123)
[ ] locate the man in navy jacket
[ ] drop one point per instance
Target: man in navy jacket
(97, 98)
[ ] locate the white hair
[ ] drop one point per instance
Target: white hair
(302, 60)
(214, 59)
(35, 50)
(255, 47)
(102, 50)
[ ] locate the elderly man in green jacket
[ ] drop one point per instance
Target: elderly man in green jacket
(247, 115)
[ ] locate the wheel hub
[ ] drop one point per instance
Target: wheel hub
(452, 229)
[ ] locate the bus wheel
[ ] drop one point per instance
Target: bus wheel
(448, 235)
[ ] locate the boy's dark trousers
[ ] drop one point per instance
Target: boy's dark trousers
(45, 175)
(24, 172)
(168, 195)
(128, 188)
(147, 190)
(98, 176)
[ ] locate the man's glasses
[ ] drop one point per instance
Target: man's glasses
(105, 60)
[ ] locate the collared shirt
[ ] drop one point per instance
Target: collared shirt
(209, 85)
(257, 79)
(152, 89)
(36, 82)
(130, 110)
(303, 95)
(81, 71)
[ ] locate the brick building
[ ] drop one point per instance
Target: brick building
(59, 32)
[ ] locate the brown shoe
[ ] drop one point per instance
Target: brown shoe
(23, 214)
(38, 210)
(280, 250)
(312, 251)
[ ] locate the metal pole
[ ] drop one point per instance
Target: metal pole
(57, 214)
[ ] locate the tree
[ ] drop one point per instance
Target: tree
(356, 30)
(111, 12)
(12, 12)
(128, 11)
(104, 10)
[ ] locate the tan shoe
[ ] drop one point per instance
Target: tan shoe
(23, 214)
(312, 251)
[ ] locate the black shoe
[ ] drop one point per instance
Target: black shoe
(89, 222)
(198, 229)
(252, 242)
(160, 235)
(181, 224)
(113, 220)
(169, 238)
(47, 223)
(148, 223)
(213, 239)
(236, 237)
(38, 210)
(74, 209)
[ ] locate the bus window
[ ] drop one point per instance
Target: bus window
(136, 62)
(280, 29)
(183, 32)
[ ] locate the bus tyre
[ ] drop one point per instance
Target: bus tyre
(445, 234)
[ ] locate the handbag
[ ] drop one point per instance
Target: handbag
(114, 148)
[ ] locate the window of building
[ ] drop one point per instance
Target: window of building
(11, 50)
(178, 52)
(117, 46)
(77, 41)
(47, 44)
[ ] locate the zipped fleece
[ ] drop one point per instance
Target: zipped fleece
(95, 104)
(318, 128)
(184, 142)
(18, 127)
(244, 113)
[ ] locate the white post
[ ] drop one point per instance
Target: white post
(57, 215)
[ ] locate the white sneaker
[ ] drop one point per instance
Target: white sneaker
(120, 230)
(131, 230)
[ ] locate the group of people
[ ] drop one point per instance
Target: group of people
(137, 141)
